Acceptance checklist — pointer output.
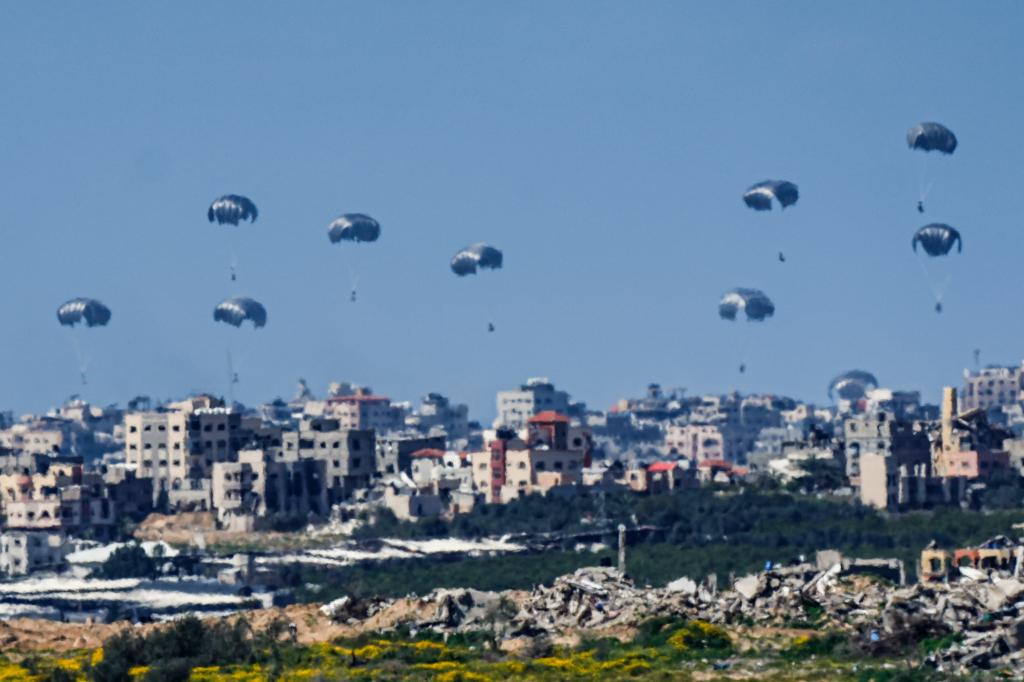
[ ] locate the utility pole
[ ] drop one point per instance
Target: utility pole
(622, 549)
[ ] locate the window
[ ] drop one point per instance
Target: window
(355, 462)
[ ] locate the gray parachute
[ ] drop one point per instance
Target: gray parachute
(87, 311)
(353, 227)
(932, 137)
(753, 302)
(759, 197)
(231, 209)
(469, 259)
(238, 309)
(937, 239)
(852, 385)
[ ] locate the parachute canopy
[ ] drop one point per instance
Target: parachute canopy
(937, 239)
(353, 227)
(238, 309)
(759, 197)
(87, 310)
(852, 385)
(931, 137)
(230, 209)
(476, 256)
(754, 302)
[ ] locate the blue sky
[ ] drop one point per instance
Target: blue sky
(604, 146)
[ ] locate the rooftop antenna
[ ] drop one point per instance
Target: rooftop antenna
(977, 359)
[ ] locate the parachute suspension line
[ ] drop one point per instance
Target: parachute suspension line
(938, 290)
(83, 361)
(232, 256)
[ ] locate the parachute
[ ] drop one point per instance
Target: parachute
(469, 259)
(929, 137)
(87, 311)
(932, 137)
(353, 227)
(759, 197)
(852, 385)
(937, 239)
(238, 309)
(753, 302)
(231, 209)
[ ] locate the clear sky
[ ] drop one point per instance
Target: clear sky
(604, 146)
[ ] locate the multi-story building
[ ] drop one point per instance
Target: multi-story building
(537, 395)
(436, 413)
(22, 552)
(156, 446)
(362, 411)
(550, 456)
(176, 449)
(257, 485)
(882, 432)
(967, 446)
(393, 451)
(348, 454)
(697, 442)
(992, 387)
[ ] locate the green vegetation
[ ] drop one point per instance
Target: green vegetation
(696, 533)
(662, 649)
(129, 561)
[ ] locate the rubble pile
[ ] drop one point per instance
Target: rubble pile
(588, 598)
(977, 617)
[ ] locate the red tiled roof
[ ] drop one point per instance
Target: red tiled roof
(661, 466)
(715, 464)
(428, 452)
(549, 417)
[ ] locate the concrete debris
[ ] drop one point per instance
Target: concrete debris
(981, 617)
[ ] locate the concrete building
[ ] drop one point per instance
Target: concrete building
(156, 446)
(348, 454)
(22, 552)
(882, 432)
(537, 395)
(992, 387)
(890, 486)
(548, 457)
(696, 442)
(362, 411)
(393, 451)
(257, 485)
(967, 446)
(438, 414)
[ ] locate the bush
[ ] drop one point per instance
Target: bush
(129, 561)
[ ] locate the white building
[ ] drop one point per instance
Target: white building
(22, 552)
(537, 395)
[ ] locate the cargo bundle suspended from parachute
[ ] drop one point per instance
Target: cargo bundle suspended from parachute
(929, 137)
(357, 228)
(472, 259)
(231, 209)
(852, 385)
(235, 311)
(936, 240)
(754, 304)
(761, 195)
(82, 312)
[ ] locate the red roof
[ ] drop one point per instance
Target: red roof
(715, 464)
(549, 417)
(661, 466)
(428, 452)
